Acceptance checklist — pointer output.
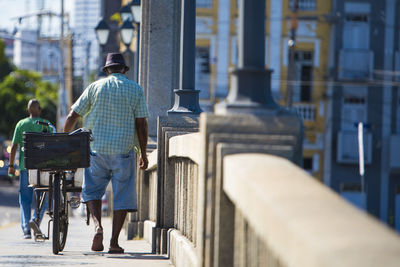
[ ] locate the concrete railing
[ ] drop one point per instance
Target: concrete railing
(306, 111)
(250, 208)
(184, 155)
(143, 222)
(297, 221)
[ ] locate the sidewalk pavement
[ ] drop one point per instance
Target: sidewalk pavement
(16, 251)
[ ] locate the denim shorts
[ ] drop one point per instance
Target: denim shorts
(120, 169)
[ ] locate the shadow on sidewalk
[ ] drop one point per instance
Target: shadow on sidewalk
(129, 256)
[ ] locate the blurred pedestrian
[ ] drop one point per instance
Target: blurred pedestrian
(26, 193)
(114, 109)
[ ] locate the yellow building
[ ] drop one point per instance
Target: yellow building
(311, 55)
(216, 42)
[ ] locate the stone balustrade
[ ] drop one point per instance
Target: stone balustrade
(147, 202)
(306, 111)
(274, 214)
(298, 221)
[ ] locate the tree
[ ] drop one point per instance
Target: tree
(5, 66)
(16, 90)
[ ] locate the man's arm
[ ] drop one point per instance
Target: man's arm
(11, 169)
(142, 132)
(70, 122)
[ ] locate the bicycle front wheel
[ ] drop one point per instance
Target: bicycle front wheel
(56, 214)
(60, 215)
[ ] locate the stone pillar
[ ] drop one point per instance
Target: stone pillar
(159, 57)
(182, 117)
(168, 126)
(158, 67)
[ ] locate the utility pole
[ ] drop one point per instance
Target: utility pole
(62, 94)
(292, 45)
(361, 160)
(86, 68)
(69, 70)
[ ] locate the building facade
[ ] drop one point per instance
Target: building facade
(309, 69)
(363, 88)
(345, 71)
(8, 40)
(41, 55)
(86, 48)
(216, 54)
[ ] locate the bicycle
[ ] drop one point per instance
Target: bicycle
(55, 157)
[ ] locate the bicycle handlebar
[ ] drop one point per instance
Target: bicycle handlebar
(71, 133)
(47, 124)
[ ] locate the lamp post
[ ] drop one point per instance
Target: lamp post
(130, 14)
(125, 13)
(186, 96)
(102, 32)
(137, 17)
(127, 32)
(250, 90)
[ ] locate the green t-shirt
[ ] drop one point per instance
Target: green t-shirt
(27, 125)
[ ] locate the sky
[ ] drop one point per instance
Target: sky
(10, 9)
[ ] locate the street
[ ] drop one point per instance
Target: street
(9, 207)
(16, 251)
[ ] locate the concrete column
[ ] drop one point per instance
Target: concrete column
(186, 97)
(181, 119)
(250, 90)
(159, 57)
(158, 67)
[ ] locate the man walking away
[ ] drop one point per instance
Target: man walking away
(113, 108)
(26, 193)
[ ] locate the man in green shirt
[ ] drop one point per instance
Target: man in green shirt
(26, 193)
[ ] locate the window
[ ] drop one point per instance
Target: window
(356, 31)
(204, 3)
(306, 5)
(357, 18)
(202, 77)
(311, 164)
(354, 107)
(308, 164)
(304, 70)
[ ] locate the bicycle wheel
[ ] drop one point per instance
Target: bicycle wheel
(56, 214)
(63, 216)
(60, 215)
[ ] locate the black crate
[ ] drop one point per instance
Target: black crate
(58, 151)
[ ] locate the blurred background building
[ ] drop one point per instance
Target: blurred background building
(86, 48)
(336, 62)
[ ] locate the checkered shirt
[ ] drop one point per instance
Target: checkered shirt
(109, 108)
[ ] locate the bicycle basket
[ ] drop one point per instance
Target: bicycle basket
(58, 151)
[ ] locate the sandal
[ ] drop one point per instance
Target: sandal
(116, 250)
(97, 244)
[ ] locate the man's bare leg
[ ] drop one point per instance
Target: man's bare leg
(118, 222)
(95, 209)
